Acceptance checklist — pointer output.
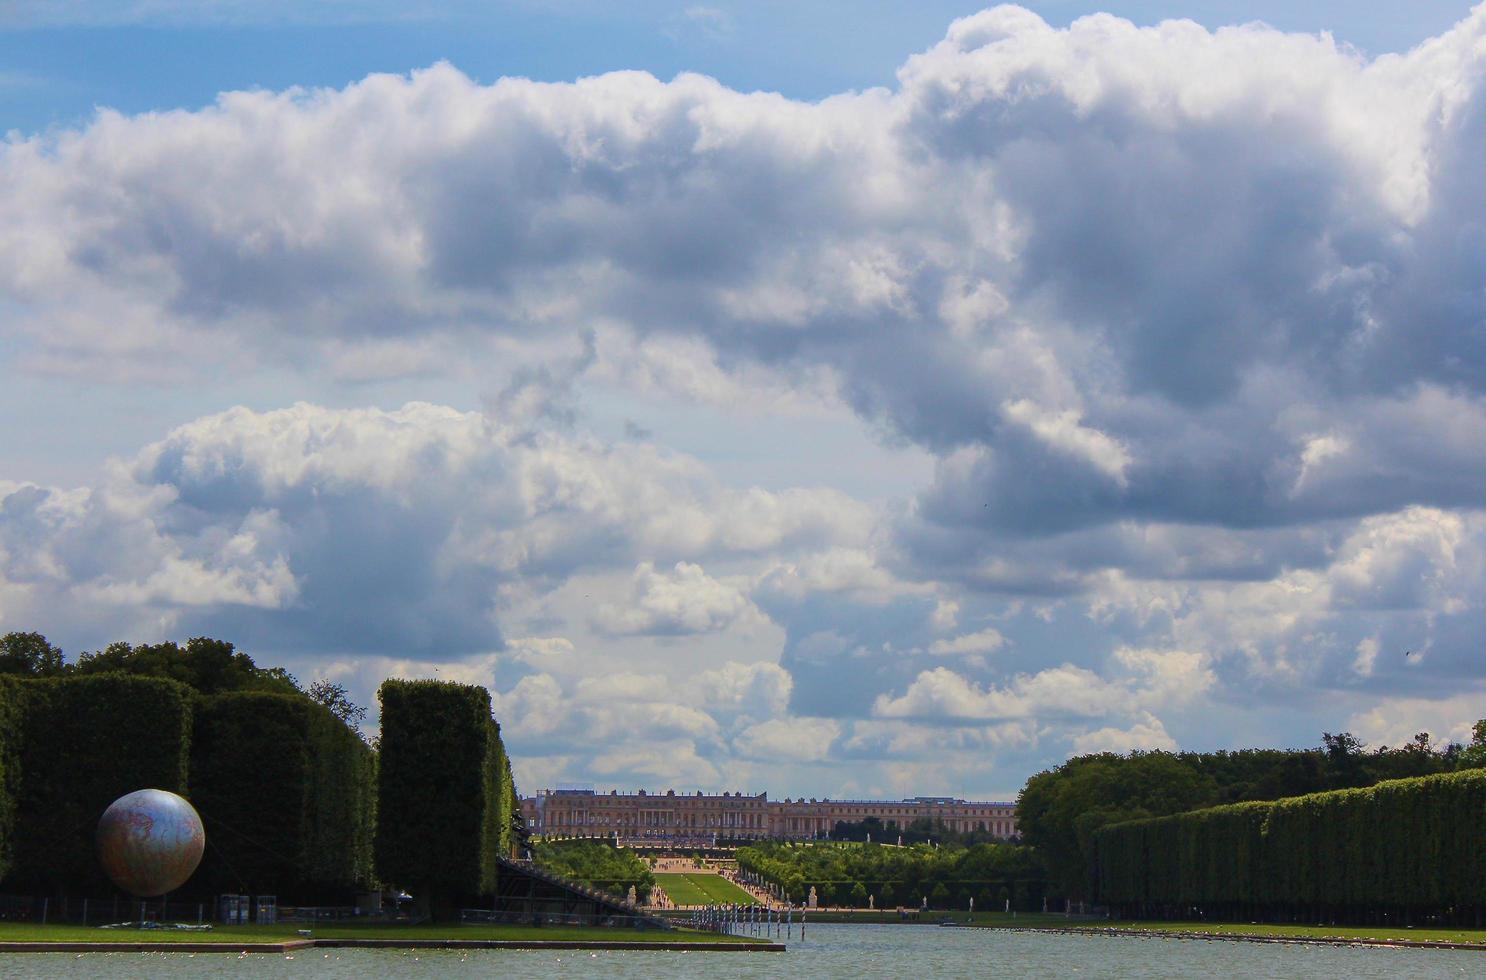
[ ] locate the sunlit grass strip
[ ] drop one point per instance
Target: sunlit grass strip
(18, 932)
(697, 889)
(1274, 931)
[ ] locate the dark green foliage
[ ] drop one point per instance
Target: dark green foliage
(508, 804)
(1473, 756)
(86, 741)
(209, 666)
(11, 716)
(921, 831)
(1260, 774)
(900, 874)
(1059, 811)
(441, 818)
(335, 697)
(1396, 851)
(286, 792)
(596, 863)
(29, 655)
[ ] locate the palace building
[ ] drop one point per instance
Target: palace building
(677, 818)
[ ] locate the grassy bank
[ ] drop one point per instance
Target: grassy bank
(1051, 920)
(932, 917)
(16, 932)
(1268, 931)
(1054, 921)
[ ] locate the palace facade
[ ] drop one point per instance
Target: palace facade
(672, 817)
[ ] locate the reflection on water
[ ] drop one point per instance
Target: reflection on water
(854, 951)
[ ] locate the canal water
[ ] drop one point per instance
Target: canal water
(847, 951)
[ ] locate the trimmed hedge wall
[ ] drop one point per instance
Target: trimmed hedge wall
(289, 794)
(286, 791)
(11, 713)
(1401, 850)
(442, 775)
(507, 803)
(86, 741)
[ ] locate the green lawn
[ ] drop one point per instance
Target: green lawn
(703, 889)
(13, 932)
(1303, 932)
(1051, 920)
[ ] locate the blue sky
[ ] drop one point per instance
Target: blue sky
(915, 394)
(63, 59)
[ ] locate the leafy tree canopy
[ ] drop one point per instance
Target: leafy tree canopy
(919, 831)
(596, 863)
(207, 665)
(29, 654)
(949, 874)
(338, 700)
(1060, 809)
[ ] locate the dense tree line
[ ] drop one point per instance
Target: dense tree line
(205, 665)
(1060, 810)
(924, 830)
(850, 874)
(292, 796)
(1399, 851)
(597, 863)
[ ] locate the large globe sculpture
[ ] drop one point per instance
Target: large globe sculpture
(150, 842)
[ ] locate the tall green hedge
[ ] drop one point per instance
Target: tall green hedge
(11, 715)
(86, 741)
(287, 793)
(1400, 850)
(508, 803)
(441, 820)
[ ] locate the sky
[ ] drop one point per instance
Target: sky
(848, 400)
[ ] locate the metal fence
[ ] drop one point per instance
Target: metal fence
(321, 913)
(749, 920)
(102, 911)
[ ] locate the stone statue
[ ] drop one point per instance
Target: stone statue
(811, 900)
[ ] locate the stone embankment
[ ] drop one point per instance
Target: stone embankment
(292, 945)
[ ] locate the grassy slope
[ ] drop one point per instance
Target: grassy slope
(703, 889)
(231, 935)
